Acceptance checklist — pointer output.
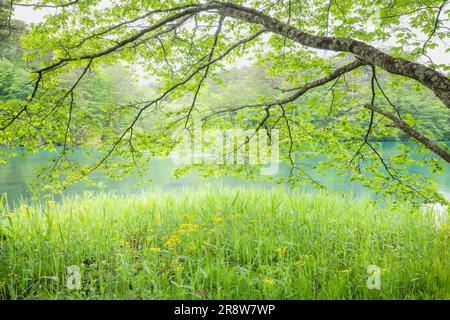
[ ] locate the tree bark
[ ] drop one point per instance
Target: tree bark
(406, 128)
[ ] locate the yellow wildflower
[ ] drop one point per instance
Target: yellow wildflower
(300, 263)
(155, 250)
(192, 247)
(380, 272)
(188, 227)
(280, 251)
(347, 270)
(237, 215)
(123, 243)
(268, 282)
(178, 269)
(172, 241)
(218, 219)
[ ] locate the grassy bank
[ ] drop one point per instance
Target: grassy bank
(228, 244)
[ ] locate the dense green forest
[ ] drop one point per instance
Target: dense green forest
(110, 88)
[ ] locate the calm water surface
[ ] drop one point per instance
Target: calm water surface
(19, 170)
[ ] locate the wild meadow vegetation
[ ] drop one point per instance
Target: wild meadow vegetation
(223, 244)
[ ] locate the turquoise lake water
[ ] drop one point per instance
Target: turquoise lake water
(19, 170)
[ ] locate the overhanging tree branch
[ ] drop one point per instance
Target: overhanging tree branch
(406, 128)
(148, 104)
(299, 91)
(205, 74)
(432, 79)
(43, 5)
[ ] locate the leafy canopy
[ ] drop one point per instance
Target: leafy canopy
(335, 65)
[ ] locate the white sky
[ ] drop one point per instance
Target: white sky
(29, 15)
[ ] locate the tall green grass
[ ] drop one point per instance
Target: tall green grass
(222, 244)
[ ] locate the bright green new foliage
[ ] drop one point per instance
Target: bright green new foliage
(322, 108)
